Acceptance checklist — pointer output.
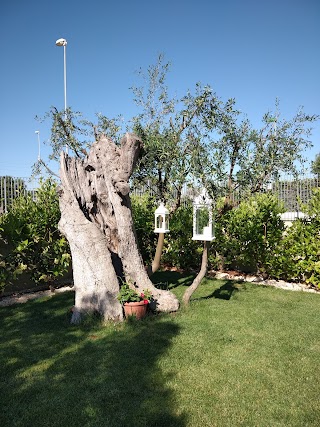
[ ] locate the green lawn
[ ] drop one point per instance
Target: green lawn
(241, 355)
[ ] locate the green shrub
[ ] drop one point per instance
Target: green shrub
(30, 239)
(298, 256)
(179, 249)
(143, 208)
(250, 237)
(247, 235)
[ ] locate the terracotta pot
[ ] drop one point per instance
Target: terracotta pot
(137, 309)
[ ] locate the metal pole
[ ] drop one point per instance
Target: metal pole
(65, 77)
(1, 195)
(65, 84)
(63, 42)
(5, 194)
(38, 133)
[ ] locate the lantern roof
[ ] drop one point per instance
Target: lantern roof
(162, 210)
(202, 199)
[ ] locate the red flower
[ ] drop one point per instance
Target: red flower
(142, 295)
(145, 301)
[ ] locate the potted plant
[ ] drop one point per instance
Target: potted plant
(134, 303)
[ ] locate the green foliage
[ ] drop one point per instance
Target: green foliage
(250, 237)
(127, 294)
(298, 256)
(70, 129)
(199, 138)
(179, 249)
(315, 166)
(242, 158)
(30, 239)
(143, 208)
(171, 131)
(247, 236)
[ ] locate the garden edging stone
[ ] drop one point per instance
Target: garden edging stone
(281, 284)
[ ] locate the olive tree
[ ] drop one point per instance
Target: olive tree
(210, 143)
(197, 138)
(236, 160)
(315, 165)
(96, 216)
(171, 129)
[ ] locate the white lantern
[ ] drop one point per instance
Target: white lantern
(203, 226)
(161, 219)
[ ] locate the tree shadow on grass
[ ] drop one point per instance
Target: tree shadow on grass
(171, 279)
(225, 292)
(56, 374)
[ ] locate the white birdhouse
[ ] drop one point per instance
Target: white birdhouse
(161, 219)
(203, 226)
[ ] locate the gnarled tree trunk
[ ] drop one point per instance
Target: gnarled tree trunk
(197, 280)
(157, 257)
(97, 222)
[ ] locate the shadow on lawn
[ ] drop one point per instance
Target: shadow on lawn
(55, 374)
(226, 291)
(168, 280)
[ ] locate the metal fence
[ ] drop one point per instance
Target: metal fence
(12, 187)
(295, 192)
(292, 192)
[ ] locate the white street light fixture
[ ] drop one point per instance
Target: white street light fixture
(63, 42)
(38, 133)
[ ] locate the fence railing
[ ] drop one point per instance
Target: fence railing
(12, 187)
(294, 192)
(289, 190)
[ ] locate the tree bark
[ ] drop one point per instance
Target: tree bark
(157, 257)
(97, 222)
(203, 271)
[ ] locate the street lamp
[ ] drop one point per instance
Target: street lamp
(63, 42)
(38, 133)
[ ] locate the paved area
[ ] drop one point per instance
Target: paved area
(24, 297)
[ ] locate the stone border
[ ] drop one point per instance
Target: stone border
(258, 280)
(24, 297)
(281, 284)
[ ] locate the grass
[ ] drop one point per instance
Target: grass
(241, 355)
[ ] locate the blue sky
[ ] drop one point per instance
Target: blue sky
(252, 50)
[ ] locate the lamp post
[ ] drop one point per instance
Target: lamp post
(38, 133)
(63, 42)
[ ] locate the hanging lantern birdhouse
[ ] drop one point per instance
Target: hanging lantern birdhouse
(161, 219)
(203, 226)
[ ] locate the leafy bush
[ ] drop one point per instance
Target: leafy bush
(250, 237)
(247, 235)
(143, 208)
(30, 239)
(179, 248)
(298, 256)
